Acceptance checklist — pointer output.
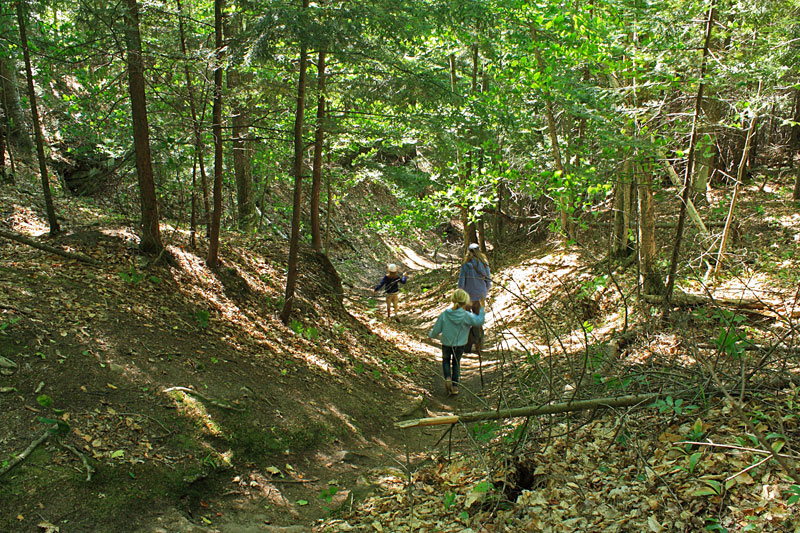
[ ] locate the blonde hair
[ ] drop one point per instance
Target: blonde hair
(460, 298)
(475, 254)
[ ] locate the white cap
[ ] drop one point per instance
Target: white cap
(474, 246)
(392, 267)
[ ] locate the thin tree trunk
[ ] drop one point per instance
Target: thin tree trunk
(620, 236)
(151, 235)
(15, 116)
(294, 239)
(242, 168)
(687, 180)
(566, 223)
(212, 258)
(328, 210)
(735, 197)
(37, 127)
(794, 133)
(651, 278)
(198, 136)
(319, 136)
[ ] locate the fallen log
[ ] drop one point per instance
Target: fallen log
(683, 298)
(39, 246)
(581, 405)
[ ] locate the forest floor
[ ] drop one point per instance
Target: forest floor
(171, 398)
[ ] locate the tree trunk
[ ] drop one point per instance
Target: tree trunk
(242, 168)
(319, 136)
(37, 127)
(566, 223)
(198, 137)
(652, 282)
(794, 133)
(687, 180)
(212, 258)
(294, 239)
(151, 235)
(15, 116)
(620, 243)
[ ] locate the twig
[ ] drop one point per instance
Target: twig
(294, 480)
(86, 465)
(738, 448)
(157, 421)
(21, 457)
(212, 401)
(761, 462)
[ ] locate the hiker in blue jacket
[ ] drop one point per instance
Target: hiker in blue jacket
(391, 285)
(453, 325)
(475, 278)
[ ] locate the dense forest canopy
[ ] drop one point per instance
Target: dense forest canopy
(491, 109)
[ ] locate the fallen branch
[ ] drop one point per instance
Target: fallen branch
(86, 465)
(21, 457)
(686, 299)
(581, 405)
(46, 248)
(212, 401)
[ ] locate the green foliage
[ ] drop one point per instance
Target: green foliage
(201, 317)
(131, 276)
(676, 406)
(7, 323)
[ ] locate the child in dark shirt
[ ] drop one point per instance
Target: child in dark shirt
(391, 285)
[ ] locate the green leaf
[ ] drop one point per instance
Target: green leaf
(302, 502)
(44, 400)
(117, 453)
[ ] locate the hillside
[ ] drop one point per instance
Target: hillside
(184, 404)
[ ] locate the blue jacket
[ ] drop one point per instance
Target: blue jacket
(454, 324)
(392, 285)
(475, 278)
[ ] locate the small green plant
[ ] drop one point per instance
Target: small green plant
(794, 490)
(10, 322)
(131, 276)
(328, 493)
(449, 499)
(674, 405)
(201, 316)
(485, 432)
(309, 332)
(56, 426)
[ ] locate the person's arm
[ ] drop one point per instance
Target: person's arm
(437, 328)
(477, 320)
(403, 279)
(382, 283)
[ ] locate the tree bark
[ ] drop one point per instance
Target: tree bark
(212, 259)
(37, 127)
(687, 180)
(15, 116)
(319, 137)
(294, 238)
(499, 414)
(198, 137)
(242, 168)
(651, 278)
(620, 243)
(151, 235)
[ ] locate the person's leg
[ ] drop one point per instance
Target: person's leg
(396, 302)
(458, 351)
(390, 298)
(447, 353)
